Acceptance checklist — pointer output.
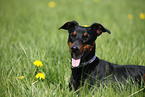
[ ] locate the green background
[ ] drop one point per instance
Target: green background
(29, 32)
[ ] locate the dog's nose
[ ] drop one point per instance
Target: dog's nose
(75, 49)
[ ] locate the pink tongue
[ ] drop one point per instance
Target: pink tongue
(75, 63)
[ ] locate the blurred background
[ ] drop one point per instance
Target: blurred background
(29, 32)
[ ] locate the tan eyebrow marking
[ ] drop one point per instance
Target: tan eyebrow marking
(74, 33)
(85, 34)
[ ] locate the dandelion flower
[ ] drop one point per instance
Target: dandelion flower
(51, 4)
(85, 25)
(96, 1)
(142, 15)
(40, 75)
(38, 63)
(130, 16)
(21, 77)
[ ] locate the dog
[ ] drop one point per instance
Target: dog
(86, 66)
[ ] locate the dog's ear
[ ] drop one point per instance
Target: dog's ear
(98, 28)
(69, 25)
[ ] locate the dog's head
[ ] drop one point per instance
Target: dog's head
(81, 40)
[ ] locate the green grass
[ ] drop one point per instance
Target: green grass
(29, 32)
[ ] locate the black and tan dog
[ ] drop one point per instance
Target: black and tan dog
(86, 66)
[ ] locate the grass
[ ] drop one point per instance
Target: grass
(29, 32)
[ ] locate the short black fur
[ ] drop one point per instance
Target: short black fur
(81, 42)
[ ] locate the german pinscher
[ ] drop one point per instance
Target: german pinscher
(86, 66)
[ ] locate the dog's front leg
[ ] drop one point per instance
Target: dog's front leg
(73, 84)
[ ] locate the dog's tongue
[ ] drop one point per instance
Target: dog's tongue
(75, 62)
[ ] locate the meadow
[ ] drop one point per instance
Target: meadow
(29, 32)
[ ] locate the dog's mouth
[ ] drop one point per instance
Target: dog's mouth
(75, 62)
(77, 59)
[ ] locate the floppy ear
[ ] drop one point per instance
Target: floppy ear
(98, 28)
(69, 25)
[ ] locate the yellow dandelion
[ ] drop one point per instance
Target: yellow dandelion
(85, 25)
(51, 4)
(142, 15)
(38, 63)
(130, 16)
(40, 75)
(96, 1)
(21, 77)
